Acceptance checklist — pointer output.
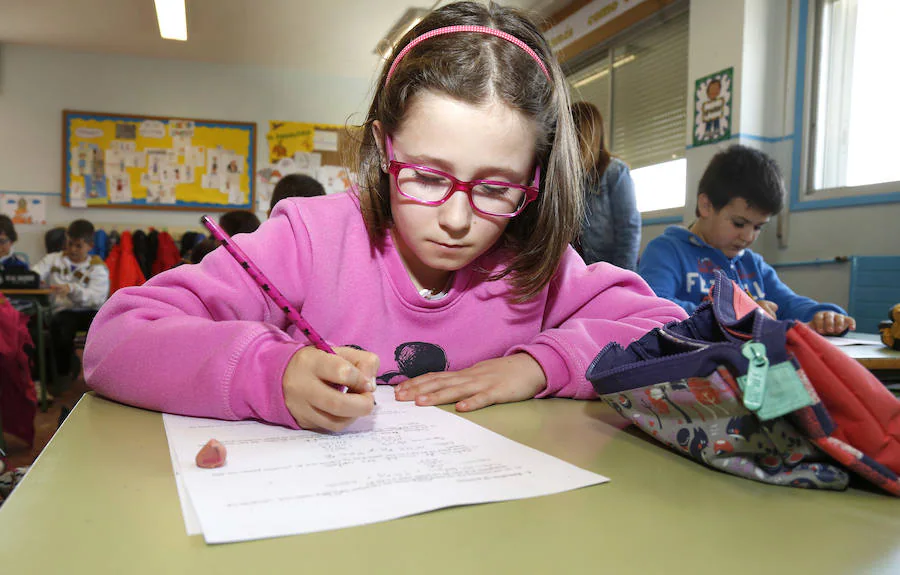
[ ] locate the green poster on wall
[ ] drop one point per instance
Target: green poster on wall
(712, 107)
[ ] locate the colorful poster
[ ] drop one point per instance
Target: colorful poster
(287, 138)
(335, 179)
(24, 209)
(712, 108)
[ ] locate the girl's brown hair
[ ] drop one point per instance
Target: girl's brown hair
(477, 68)
(591, 141)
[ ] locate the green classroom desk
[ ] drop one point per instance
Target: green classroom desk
(875, 356)
(101, 499)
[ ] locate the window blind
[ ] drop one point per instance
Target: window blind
(646, 117)
(649, 95)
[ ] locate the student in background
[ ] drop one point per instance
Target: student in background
(611, 231)
(295, 186)
(739, 192)
(8, 237)
(233, 222)
(447, 272)
(239, 222)
(79, 283)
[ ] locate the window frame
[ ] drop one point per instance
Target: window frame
(804, 194)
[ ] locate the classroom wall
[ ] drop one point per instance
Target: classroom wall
(36, 84)
(758, 38)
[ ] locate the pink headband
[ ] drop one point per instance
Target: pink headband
(479, 29)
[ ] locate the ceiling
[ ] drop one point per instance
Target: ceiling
(334, 37)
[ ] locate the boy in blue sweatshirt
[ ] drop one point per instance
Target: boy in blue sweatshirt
(739, 192)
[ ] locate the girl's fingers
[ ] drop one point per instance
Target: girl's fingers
(320, 419)
(427, 383)
(337, 370)
(449, 394)
(365, 361)
(331, 401)
(477, 401)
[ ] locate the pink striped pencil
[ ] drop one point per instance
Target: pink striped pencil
(263, 282)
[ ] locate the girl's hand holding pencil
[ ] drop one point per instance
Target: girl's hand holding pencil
(317, 378)
(309, 386)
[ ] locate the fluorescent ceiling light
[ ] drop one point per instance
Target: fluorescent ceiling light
(605, 70)
(172, 19)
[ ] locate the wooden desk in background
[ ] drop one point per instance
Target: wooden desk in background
(102, 496)
(874, 355)
(43, 311)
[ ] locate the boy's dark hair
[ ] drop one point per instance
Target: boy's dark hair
(8, 229)
(239, 222)
(202, 248)
(296, 186)
(743, 172)
(81, 230)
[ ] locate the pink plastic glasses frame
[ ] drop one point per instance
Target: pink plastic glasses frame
(394, 167)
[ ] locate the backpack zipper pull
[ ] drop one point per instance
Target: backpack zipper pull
(755, 388)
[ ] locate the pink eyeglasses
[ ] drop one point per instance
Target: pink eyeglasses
(433, 187)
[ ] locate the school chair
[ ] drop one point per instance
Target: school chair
(874, 289)
(41, 311)
(80, 338)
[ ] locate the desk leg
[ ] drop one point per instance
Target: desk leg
(42, 357)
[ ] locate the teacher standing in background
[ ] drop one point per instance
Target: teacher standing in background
(611, 230)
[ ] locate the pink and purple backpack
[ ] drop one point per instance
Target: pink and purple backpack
(756, 397)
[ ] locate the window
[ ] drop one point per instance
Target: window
(854, 118)
(639, 84)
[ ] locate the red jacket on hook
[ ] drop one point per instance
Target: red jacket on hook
(167, 254)
(124, 270)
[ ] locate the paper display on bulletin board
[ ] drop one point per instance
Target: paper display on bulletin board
(287, 138)
(24, 209)
(712, 108)
(112, 160)
(317, 150)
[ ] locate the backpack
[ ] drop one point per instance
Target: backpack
(756, 397)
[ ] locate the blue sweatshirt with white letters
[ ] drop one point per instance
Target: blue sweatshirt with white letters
(681, 267)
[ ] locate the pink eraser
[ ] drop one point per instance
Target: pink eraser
(211, 455)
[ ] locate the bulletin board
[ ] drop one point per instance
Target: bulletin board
(325, 152)
(136, 161)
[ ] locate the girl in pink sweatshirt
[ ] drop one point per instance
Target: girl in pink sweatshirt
(446, 272)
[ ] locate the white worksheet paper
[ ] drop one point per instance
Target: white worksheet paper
(399, 461)
(847, 340)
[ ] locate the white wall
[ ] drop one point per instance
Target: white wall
(758, 38)
(36, 84)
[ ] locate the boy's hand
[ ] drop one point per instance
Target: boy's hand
(501, 380)
(770, 307)
(313, 402)
(832, 323)
(61, 289)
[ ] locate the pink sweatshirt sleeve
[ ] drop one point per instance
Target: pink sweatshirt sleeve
(203, 340)
(587, 308)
